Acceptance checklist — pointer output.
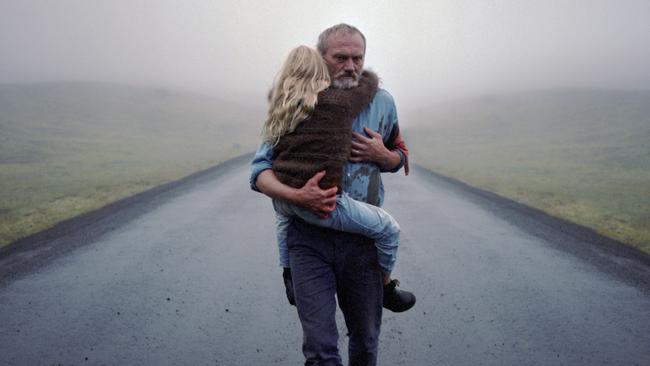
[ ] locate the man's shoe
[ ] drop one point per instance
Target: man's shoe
(288, 285)
(397, 300)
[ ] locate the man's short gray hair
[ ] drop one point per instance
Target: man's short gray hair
(342, 28)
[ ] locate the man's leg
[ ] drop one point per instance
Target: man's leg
(360, 295)
(311, 256)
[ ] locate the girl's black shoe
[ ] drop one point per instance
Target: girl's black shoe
(397, 300)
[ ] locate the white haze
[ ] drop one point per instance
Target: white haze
(425, 51)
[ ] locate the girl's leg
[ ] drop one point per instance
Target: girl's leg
(355, 217)
(281, 225)
(361, 218)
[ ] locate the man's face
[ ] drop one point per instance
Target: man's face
(344, 59)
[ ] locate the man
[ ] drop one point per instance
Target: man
(325, 263)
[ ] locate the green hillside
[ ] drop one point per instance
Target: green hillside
(67, 148)
(583, 155)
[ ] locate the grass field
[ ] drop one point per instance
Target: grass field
(582, 155)
(68, 148)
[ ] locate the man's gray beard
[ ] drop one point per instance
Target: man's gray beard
(346, 83)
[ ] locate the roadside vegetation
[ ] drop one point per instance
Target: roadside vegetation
(582, 155)
(69, 148)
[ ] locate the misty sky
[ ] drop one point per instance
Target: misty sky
(423, 50)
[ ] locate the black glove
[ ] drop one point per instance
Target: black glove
(288, 285)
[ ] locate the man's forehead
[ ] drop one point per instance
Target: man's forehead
(346, 43)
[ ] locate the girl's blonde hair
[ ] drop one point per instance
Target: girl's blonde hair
(293, 97)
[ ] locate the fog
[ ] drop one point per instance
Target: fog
(423, 51)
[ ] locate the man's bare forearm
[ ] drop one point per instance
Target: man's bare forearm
(389, 160)
(269, 184)
(311, 196)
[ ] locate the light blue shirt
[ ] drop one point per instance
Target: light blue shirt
(362, 181)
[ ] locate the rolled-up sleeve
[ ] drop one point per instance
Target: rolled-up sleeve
(261, 162)
(403, 158)
(396, 143)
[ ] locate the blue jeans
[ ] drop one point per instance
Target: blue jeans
(325, 263)
(351, 216)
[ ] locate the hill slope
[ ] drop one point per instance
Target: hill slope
(583, 155)
(66, 148)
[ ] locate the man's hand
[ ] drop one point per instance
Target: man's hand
(320, 201)
(372, 149)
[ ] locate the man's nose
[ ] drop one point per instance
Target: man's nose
(349, 65)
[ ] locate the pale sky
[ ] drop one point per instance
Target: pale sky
(424, 51)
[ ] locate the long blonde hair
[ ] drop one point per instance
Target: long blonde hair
(294, 95)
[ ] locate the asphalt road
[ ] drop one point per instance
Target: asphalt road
(187, 275)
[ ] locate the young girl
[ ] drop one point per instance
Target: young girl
(309, 126)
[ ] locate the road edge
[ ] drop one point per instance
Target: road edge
(610, 255)
(33, 252)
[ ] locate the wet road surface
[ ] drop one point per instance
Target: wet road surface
(189, 276)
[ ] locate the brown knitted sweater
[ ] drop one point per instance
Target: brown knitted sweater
(322, 141)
